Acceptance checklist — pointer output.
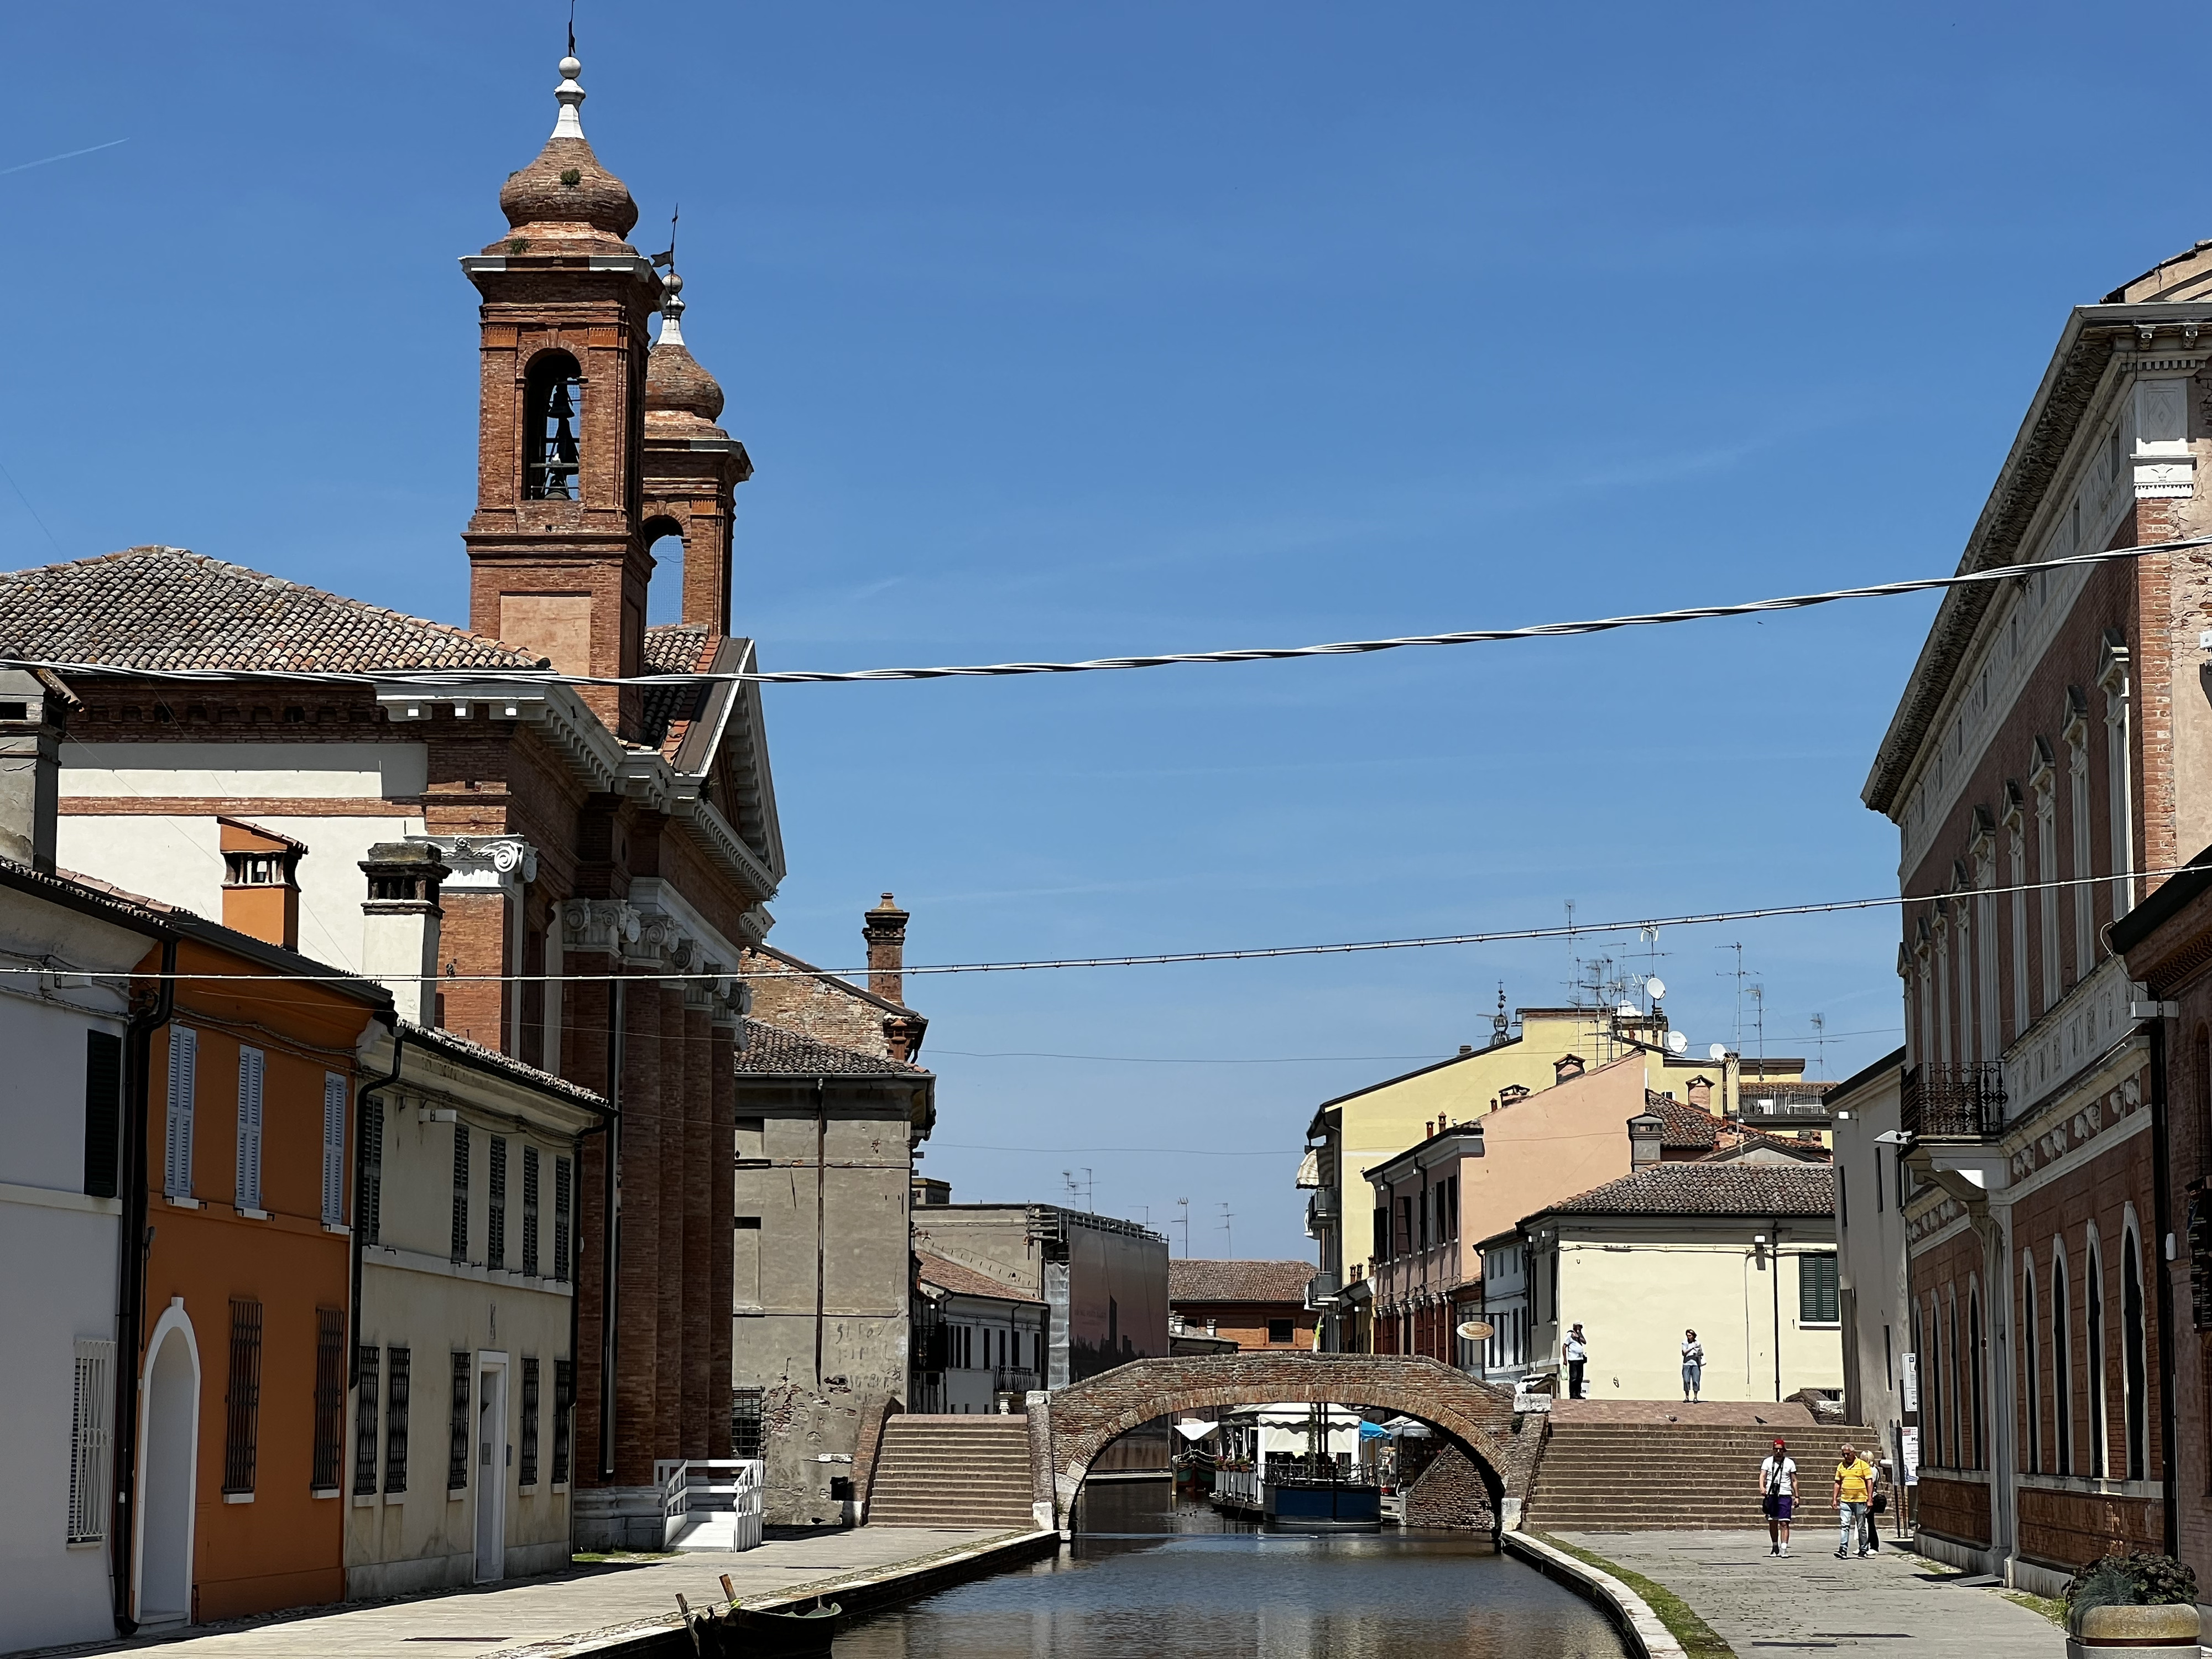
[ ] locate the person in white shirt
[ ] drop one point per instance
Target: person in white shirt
(1777, 1495)
(1576, 1350)
(1693, 1367)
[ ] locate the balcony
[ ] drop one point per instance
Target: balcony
(1323, 1206)
(1959, 1101)
(1322, 1289)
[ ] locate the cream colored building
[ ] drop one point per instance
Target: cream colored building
(1742, 1252)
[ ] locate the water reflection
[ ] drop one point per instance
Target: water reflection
(1146, 1576)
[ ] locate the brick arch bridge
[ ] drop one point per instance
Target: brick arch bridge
(1068, 1429)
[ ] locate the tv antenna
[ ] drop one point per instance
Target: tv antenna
(1820, 1045)
(1184, 1219)
(1229, 1237)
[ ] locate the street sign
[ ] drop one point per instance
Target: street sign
(1908, 1378)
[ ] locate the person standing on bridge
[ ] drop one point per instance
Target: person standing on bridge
(1693, 1367)
(1777, 1496)
(1576, 1350)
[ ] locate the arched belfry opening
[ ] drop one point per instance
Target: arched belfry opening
(552, 421)
(666, 546)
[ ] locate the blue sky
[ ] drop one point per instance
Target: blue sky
(1159, 327)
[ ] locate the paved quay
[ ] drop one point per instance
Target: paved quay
(591, 1609)
(1892, 1602)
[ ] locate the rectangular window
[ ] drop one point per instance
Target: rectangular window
(1817, 1300)
(1279, 1330)
(368, 1202)
(242, 1397)
(91, 1440)
(1383, 1233)
(746, 1261)
(400, 1366)
(530, 1212)
(528, 1476)
(103, 1111)
(330, 1397)
(334, 1118)
(184, 1088)
(495, 1207)
(366, 1361)
(564, 1403)
(745, 1422)
(561, 1187)
(251, 1065)
(1402, 1243)
(460, 1240)
(456, 1444)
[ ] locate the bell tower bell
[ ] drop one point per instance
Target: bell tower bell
(557, 563)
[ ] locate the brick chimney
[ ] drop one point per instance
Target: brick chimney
(1701, 1091)
(1565, 1067)
(30, 768)
(885, 930)
(260, 882)
(400, 920)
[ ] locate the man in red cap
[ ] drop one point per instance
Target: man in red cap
(1777, 1495)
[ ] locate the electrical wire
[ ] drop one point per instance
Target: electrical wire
(458, 680)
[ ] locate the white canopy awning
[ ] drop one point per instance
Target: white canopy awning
(1191, 1429)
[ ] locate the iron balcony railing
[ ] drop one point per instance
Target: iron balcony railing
(1962, 1100)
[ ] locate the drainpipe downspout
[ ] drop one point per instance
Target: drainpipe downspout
(1774, 1273)
(133, 1240)
(2162, 1210)
(610, 1233)
(390, 1020)
(821, 1220)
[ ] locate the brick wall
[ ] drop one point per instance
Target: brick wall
(1450, 1492)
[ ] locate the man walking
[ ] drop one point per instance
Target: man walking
(1693, 1367)
(1853, 1485)
(1576, 1351)
(1777, 1496)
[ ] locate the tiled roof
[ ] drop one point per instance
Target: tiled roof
(164, 607)
(771, 1051)
(674, 648)
(468, 1049)
(1683, 1127)
(1710, 1189)
(966, 1281)
(1190, 1279)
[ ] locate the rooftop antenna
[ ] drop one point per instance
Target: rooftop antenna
(572, 27)
(1737, 975)
(1229, 1237)
(1759, 1012)
(1499, 1024)
(1185, 1219)
(1820, 1044)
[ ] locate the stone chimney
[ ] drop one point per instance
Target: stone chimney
(1567, 1066)
(31, 717)
(1701, 1091)
(260, 882)
(885, 930)
(399, 925)
(1644, 1130)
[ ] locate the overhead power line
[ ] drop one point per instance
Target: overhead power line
(458, 680)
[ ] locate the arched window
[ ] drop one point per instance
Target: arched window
(2031, 1354)
(1933, 1378)
(2062, 1365)
(2134, 1360)
(2093, 1360)
(1953, 1430)
(1980, 1457)
(552, 417)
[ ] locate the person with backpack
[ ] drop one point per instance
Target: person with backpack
(1854, 1492)
(1576, 1350)
(1777, 1496)
(1693, 1367)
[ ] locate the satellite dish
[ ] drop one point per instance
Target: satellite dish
(1676, 1043)
(1718, 1051)
(1476, 1330)
(1655, 987)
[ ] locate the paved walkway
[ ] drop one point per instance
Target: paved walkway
(566, 1612)
(1892, 1602)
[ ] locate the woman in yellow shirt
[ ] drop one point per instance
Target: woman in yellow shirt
(1854, 1478)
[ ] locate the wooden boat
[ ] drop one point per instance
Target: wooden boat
(735, 1632)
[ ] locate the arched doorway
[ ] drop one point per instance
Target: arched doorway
(169, 1466)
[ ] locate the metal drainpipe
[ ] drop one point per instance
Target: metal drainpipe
(821, 1229)
(2162, 1211)
(611, 1234)
(360, 1162)
(1774, 1273)
(132, 1242)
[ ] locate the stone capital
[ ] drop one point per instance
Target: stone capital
(601, 926)
(485, 864)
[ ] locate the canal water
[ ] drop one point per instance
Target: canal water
(1146, 1576)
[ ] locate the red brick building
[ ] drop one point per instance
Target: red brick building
(2043, 771)
(1257, 1304)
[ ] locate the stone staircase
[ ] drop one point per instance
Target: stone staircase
(953, 1472)
(1651, 1477)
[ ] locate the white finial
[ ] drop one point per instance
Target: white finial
(570, 92)
(671, 311)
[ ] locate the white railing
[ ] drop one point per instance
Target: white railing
(1237, 1486)
(720, 1495)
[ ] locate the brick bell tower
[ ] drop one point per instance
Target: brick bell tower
(692, 468)
(556, 562)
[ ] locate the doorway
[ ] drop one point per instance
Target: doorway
(168, 1468)
(492, 1458)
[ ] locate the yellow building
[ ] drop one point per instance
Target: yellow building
(1359, 1131)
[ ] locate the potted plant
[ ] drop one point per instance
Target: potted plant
(2130, 1603)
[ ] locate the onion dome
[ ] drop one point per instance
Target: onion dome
(679, 395)
(565, 195)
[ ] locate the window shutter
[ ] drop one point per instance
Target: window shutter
(103, 1111)
(250, 1066)
(184, 1082)
(334, 1118)
(90, 1441)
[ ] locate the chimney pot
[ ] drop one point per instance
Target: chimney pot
(400, 923)
(883, 931)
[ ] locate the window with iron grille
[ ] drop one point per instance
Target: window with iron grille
(366, 1359)
(495, 1212)
(528, 1476)
(103, 1111)
(242, 1397)
(460, 1192)
(562, 1189)
(745, 1422)
(564, 1403)
(91, 1441)
(368, 1179)
(530, 1212)
(397, 1366)
(1817, 1300)
(330, 1397)
(457, 1447)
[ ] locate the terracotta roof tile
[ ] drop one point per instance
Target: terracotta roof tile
(675, 648)
(1194, 1279)
(966, 1281)
(772, 1051)
(1706, 1189)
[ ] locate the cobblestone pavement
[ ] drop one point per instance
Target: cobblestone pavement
(556, 1613)
(1892, 1602)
